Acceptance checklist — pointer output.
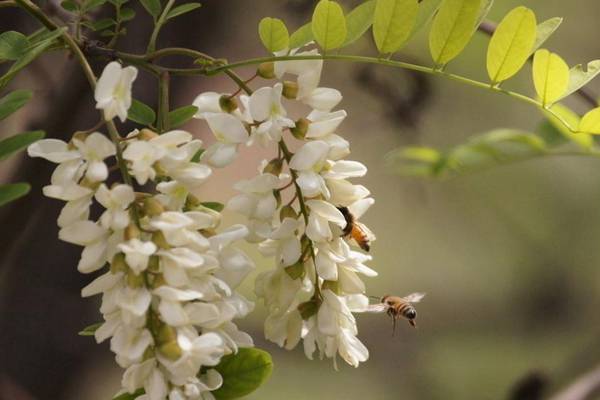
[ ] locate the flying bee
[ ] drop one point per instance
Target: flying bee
(397, 307)
(356, 230)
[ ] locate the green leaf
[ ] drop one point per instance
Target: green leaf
(392, 24)
(13, 191)
(92, 4)
(484, 9)
(141, 113)
(452, 28)
(214, 205)
(427, 8)
(13, 45)
(358, 21)
(273, 34)
(243, 373)
(300, 37)
(550, 76)
(127, 14)
(183, 9)
(511, 44)
(90, 329)
(544, 30)
(329, 25)
(571, 118)
(590, 122)
(153, 7)
(101, 24)
(18, 142)
(70, 6)
(550, 134)
(181, 115)
(13, 101)
(578, 77)
(130, 396)
(198, 155)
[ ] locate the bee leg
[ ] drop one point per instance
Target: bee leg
(393, 326)
(412, 323)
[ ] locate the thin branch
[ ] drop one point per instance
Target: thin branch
(583, 388)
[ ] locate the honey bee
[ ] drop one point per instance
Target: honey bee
(356, 230)
(397, 307)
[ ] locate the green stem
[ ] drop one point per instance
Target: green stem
(117, 30)
(158, 25)
(162, 123)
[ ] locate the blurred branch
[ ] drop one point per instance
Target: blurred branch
(489, 27)
(583, 388)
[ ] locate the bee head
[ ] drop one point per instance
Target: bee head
(411, 314)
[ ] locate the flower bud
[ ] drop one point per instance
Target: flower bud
(228, 103)
(131, 232)
(81, 136)
(331, 285)
(135, 281)
(165, 333)
(274, 167)
(146, 134)
(266, 70)
(299, 131)
(153, 207)
(290, 90)
(160, 241)
(154, 264)
(192, 201)
(171, 350)
(118, 263)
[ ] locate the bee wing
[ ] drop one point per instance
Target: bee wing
(377, 308)
(414, 297)
(370, 235)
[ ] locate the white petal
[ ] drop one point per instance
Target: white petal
(328, 211)
(309, 155)
(81, 233)
(227, 128)
(101, 284)
(53, 150)
(323, 98)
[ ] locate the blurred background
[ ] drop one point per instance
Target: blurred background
(508, 257)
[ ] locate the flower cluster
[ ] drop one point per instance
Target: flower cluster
(168, 297)
(315, 287)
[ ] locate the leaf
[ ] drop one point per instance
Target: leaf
(197, 156)
(329, 25)
(127, 14)
(181, 115)
(452, 28)
(392, 23)
(358, 21)
(544, 30)
(90, 329)
(550, 76)
(18, 142)
(13, 191)
(301, 36)
(182, 9)
(569, 117)
(273, 34)
(141, 113)
(130, 396)
(511, 44)
(153, 7)
(243, 373)
(92, 4)
(486, 6)
(214, 205)
(13, 101)
(13, 45)
(69, 5)
(101, 24)
(578, 78)
(427, 8)
(590, 122)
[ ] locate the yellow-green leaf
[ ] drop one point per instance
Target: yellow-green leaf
(273, 34)
(452, 28)
(590, 122)
(564, 120)
(301, 36)
(550, 76)
(329, 25)
(393, 22)
(427, 8)
(243, 372)
(358, 21)
(578, 77)
(544, 30)
(511, 44)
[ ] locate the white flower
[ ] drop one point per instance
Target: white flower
(142, 155)
(94, 149)
(113, 90)
(324, 123)
(229, 132)
(137, 254)
(308, 161)
(146, 375)
(116, 201)
(265, 108)
(257, 200)
(323, 213)
(94, 237)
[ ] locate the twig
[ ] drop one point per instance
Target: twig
(583, 388)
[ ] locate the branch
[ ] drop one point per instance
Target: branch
(583, 388)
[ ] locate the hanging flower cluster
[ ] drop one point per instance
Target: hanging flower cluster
(168, 297)
(315, 287)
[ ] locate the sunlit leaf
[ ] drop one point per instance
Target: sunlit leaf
(484, 9)
(564, 115)
(13, 191)
(153, 7)
(273, 34)
(13, 101)
(181, 115)
(243, 372)
(578, 77)
(544, 30)
(511, 44)
(301, 36)
(183, 9)
(550, 76)
(392, 23)
(90, 329)
(452, 28)
(141, 113)
(358, 21)
(13, 45)
(18, 142)
(590, 122)
(329, 25)
(427, 9)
